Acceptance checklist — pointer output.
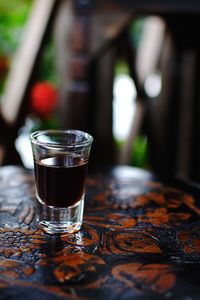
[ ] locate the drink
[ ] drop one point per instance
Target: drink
(60, 164)
(60, 180)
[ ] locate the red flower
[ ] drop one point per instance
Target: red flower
(44, 98)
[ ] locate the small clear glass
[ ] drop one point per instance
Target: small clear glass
(60, 164)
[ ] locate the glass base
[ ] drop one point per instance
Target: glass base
(58, 219)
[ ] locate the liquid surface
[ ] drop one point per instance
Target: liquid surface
(60, 180)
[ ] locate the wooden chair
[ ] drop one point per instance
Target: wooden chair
(89, 40)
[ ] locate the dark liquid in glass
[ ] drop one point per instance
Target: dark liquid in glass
(60, 180)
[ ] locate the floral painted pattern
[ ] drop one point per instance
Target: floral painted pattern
(134, 236)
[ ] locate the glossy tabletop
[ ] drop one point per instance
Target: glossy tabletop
(140, 240)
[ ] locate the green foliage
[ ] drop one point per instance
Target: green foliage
(121, 67)
(135, 31)
(13, 15)
(46, 66)
(139, 152)
(52, 123)
(139, 157)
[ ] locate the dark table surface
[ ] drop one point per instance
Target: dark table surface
(140, 240)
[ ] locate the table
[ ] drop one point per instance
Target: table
(140, 240)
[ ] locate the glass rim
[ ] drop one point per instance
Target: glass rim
(34, 135)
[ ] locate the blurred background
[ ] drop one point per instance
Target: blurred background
(127, 76)
(44, 91)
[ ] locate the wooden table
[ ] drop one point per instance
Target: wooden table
(140, 240)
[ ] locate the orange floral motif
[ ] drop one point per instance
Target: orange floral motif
(169, 198)
(72, 265)
(146, 199)
(137, 241)
(17, 241)
(85, 238)
(190, 241)
(160, 216)
(111, 221)
(155, 277)
(9, 269)
(72, 261)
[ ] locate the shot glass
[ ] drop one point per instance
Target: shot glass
(60, 166)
